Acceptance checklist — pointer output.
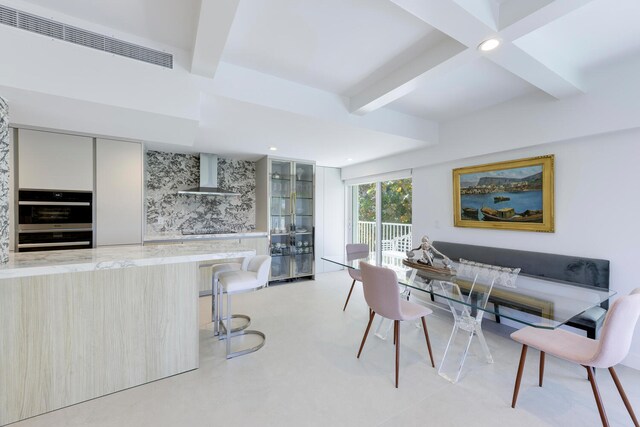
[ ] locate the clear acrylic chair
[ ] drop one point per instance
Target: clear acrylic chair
(467, 300)
(468, 313)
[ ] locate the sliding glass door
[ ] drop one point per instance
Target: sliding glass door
(364, 214)
(381, 218)
(395, 206)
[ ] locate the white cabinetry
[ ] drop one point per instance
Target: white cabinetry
(54, 161)
(118, 192)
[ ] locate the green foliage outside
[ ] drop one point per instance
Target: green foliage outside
(396, 201)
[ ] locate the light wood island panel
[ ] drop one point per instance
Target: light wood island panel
(70, 337)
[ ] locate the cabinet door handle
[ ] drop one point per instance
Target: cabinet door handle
(293, 203)
(52, 245)
(52, 230)
(29, 203)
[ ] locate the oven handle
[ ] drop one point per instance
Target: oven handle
(29, 203)
(53, 230)
(50, 245)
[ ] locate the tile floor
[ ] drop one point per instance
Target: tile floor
(307, 375)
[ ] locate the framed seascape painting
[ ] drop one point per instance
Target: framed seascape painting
(512, 195)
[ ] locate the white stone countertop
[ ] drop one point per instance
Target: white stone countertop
(176, 236)
(68, 261)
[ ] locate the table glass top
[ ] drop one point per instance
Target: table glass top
(541, 303)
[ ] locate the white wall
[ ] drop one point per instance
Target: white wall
(330, 217)
(596, 202)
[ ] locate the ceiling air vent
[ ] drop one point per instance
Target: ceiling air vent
(43, 26)
(57, 30)
(140, 53)
(8, 16)
(83, 37)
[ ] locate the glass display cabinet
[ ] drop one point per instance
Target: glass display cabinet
(285, 208)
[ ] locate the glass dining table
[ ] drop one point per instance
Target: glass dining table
(468, 295)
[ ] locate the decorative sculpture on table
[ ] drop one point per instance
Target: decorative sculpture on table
(429, 253)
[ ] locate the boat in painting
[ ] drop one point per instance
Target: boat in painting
(509, 215)
(470, 213)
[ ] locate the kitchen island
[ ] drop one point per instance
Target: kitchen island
(79, 324)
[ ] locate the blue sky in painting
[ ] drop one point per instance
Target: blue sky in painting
(504, 173)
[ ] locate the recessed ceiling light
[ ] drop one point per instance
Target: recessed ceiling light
(349, 159)
(489, 44)
(273, 148)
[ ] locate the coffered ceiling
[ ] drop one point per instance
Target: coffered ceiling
(376, 76)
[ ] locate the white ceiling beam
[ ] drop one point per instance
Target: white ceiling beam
(450, 18)
(214, 24)
(457, 22)
(439, 60)
(487, 11)
(253, 87)
(529, 69)
(539, 18)
(467, 25)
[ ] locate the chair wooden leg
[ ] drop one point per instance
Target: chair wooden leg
(349, 296)
(596, 394)
(541, 375)
(397, 330)
(366, 332)
(624, 396)
(426, 336)
(516, 388)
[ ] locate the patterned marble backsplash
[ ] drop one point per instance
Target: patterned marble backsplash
(167, 173)
(4, 181)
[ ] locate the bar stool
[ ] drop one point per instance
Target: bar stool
(252, 278)
(216, 270)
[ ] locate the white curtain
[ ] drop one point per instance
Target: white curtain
(387, 176)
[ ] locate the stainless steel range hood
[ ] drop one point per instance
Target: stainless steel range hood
(208, 178)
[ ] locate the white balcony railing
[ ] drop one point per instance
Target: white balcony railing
(395, 236)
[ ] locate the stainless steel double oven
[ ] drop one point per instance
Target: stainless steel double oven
(53, 220)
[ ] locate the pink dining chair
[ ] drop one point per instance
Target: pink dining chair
(355, 251)
(608, 351)
(381, 293)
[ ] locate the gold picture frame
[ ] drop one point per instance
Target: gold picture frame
(511, 195)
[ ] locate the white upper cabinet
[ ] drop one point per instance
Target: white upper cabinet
(118, 192)
(54, 161)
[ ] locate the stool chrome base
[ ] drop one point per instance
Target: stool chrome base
(221, 332)
(228, 328)
(231, 355)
